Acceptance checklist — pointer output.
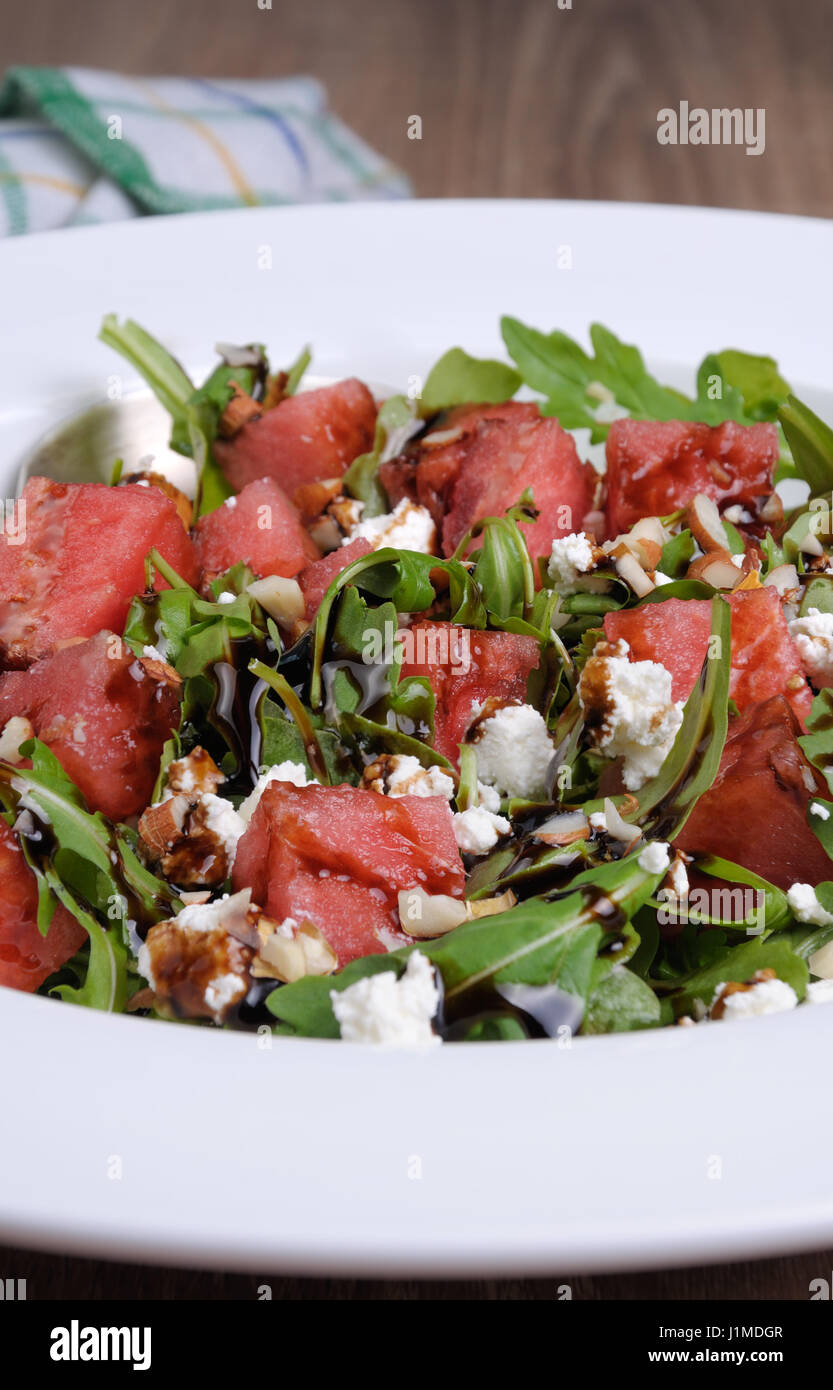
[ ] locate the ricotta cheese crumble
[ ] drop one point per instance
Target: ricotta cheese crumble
(407, 527)
(513, 751)
(571, 557)
(389, 1011)
(629, 711)
(813, 638)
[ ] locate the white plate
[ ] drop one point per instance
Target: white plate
(650, 1149)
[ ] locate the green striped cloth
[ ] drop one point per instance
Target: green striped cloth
(80, 146)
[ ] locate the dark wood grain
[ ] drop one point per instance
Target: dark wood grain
(518, 98)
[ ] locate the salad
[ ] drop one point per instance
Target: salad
(498, 710)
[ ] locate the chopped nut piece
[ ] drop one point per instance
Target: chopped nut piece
(290, 955)
(195, 974)
(195, 774)
(426, 915)
(17, 730)
(282, 599)
(715, 568)
(705, 523)
(312, 499)
(239, 411)
(160, 671)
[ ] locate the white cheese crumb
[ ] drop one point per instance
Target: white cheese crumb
(223, 991)
(654, 857)
(817, 809)
(295, 773)
(820, 992)
(478, 830)
(804, 904)
(571, 556)
(210, 916)
(738, 515)
(737, 561)
(765, 997)
(514, 751)
(409, 778)
(660, 578)
(813, 638)
(230, 502)
(489, 797)
(394, 1013)
(407, 527)
(152, 654)
(224, 822)
(17, 730)
(226, 597)
(638, 719)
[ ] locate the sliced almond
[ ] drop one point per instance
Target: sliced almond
(161, 826)
(629, 569)
(437, 439)
(282, 598)
(326, 534)
(618, 828)
(160, 671)
(17, 730)
(290, 958)
(429, 914)
(811, 545)
(312, 499)
(564, 829)
(771, 510)
(239, 411)
(650, 528)
(715, 568)
(425, 915)
(705, 524)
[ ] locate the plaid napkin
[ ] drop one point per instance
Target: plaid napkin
(80, 146)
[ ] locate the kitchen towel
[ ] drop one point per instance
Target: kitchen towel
(79, 146)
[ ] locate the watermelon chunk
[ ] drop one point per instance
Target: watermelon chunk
(338, 857)
(676, 631)
(502, 460)
(82, 562)
(26, 957)
(313, 435)
(316, 579)
(653, 468)
(465, 667)
(261, 527)
(755, 812)
(439, 466)
(105, 716)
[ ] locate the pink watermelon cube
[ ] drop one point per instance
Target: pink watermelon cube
(310, 436)
(465, 667)
(82, 562)
(26, 957)
(316, 579)
(502, 460)
(654, 468)
(339, 856)
(676, 631)
(105, 715)
(259, 526)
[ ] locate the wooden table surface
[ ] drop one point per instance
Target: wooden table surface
(518, 98)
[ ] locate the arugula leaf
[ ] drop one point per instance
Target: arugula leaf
(556, 366)
(105, 985)
(811, 443)
(752, 386)
(404, 578)
(817, 743)
(458, 379)
(676, 555)
(620, 1003)
(821, 828)
(739, 963)
(395, 423)
(169, 382)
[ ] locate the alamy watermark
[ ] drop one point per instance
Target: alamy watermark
(449, 647)
(697, 125)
